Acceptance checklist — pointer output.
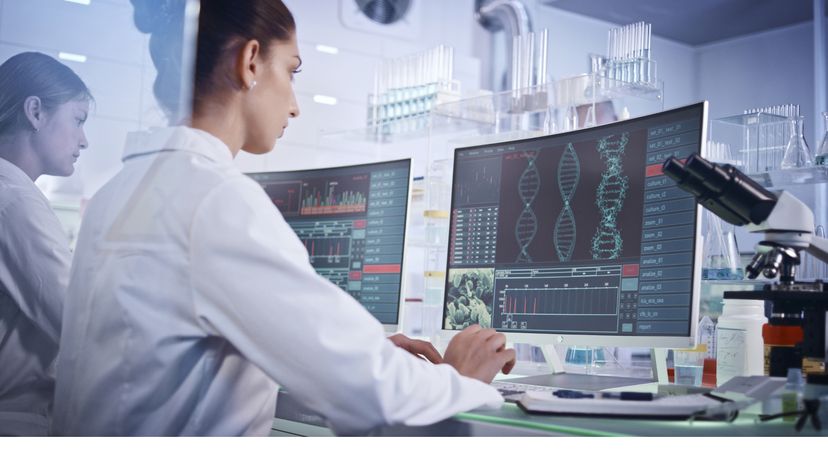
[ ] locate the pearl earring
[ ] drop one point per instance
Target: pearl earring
(252, 85)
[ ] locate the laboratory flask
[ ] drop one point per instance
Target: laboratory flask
(822, 150)
(797, 152)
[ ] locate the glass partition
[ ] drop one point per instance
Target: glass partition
(117, 48)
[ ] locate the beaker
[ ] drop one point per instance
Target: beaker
(587, 356)
(797, 152)
(688, 365)
(822, 151)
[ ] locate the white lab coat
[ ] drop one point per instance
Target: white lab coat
(34, 271)
(190, 297)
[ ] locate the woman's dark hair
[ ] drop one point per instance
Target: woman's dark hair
(223, 25)
(34, 74)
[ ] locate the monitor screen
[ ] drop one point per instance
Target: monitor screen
(352, 221)
(577, 233)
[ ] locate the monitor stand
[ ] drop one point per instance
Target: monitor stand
(561, 379)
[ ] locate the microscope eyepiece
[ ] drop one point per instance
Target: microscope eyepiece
(722, 189)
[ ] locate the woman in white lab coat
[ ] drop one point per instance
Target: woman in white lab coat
(190, 297)
(43, 106)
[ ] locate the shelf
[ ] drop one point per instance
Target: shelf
(401, 129)
(528, 112)
(748, 119)
(792, 177)
(745, 282)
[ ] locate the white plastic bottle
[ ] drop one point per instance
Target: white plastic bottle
(739, 345)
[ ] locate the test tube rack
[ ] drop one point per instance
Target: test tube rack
(628, 57)
(407, 89)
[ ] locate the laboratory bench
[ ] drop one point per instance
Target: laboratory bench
(292, 419)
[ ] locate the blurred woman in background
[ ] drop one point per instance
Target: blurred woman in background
(43, 106)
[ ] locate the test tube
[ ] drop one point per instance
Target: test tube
(528, 40)
(639, 53)
(445, 65)
(624, 49)
(451, 65)
(516, 61)
(543, 50)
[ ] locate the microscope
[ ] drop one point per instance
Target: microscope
(788, 228)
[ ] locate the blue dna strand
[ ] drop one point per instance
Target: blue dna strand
(569, 172)
(609, 197)
(527, 224)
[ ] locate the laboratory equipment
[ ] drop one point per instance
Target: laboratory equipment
(707, 336)
(758, 137)
(409, 87)
(782, 346)
(530, 71)
(588, 243)
(688, 365)
(788, 228)
(628, 55)
(352, 220)
(797, 152)
(721, 253)
(822, 151)
(812, 268)
(740, 350)
(815, 401)
(792, 395)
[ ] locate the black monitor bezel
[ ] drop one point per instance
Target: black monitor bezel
(408, 161)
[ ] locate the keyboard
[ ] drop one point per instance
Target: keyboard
(512, 392)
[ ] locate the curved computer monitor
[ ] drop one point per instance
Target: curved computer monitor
(578, 238)
(352, 220)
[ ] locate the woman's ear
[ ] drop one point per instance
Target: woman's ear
(247, 63)
(33, 108)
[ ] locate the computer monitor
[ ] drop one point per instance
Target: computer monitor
(578, 238)
(352, 220)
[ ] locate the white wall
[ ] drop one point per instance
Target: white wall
(348, 76)
(770, 68)
(573, 37)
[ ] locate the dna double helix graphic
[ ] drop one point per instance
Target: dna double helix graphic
(527, 224)
(610, 195)
(569, 172)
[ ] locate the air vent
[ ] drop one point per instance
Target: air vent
(402, 19)
(384, 11)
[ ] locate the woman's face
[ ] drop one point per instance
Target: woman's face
(59, 140)
(271, 102)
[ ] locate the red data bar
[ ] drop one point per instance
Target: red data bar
(381, 268)
(630, 270)
(654, 170)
